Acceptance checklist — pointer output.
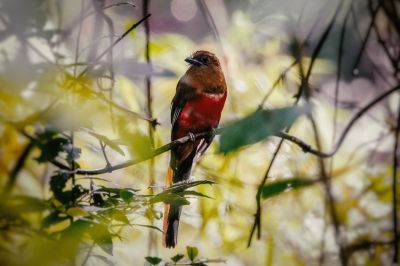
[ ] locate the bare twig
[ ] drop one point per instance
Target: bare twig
(151, 127)
(106, 51)
(394, 190)
(128, 163)
(98, 94)
(319, 46)
(365, 245)
(257, 215)
(88, 254)
(103, 150)
(196, 262)
(110, 6)
(305, 147)
(275, 84)
(330, 199)
(210, 21)
(77, 45)
(365, 40)
(17, 168)
(339, 73)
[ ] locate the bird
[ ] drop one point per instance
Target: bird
(196, 108)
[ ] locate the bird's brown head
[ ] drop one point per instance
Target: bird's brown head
(203, 59)
(205, 72)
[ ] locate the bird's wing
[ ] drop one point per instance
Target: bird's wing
(184, 93)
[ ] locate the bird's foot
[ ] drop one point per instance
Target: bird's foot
(191, 136)
(213, 132)
(183, 182)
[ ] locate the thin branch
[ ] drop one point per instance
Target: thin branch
(305, 147)
(394, 190)
(357, 116)
(365, 245)
(103, 150)
(378, 69)
(99, 7)
(88, 254)
(326, 181)
(98, 94)
(128, 163)
(365, 41)
(210, 21)
(275, 84)
(339, 73)
(151, 127)
(109, 6)
(196, 262)
(77, 45)
(330, 199)
(257, 216)
(382, 42)
(17, 168)
(106, 51)
(391, 13)
(319, 46)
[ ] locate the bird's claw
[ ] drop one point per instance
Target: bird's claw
(213, 131)
(191, 136)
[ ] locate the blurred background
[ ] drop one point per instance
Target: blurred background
(77, 92)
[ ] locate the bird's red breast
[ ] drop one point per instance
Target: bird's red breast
(200, 114)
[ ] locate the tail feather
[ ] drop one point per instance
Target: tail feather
(171, 225)
(172, 214)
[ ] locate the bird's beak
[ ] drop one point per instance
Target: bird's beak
(193, 61)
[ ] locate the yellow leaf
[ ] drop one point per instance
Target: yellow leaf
(77, 212)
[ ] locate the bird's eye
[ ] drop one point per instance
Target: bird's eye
(205, 59)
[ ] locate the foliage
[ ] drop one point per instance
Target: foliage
(179, 259)
(267, 123)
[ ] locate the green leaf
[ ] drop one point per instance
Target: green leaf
(50, 143)
(75, 231)
(274, 188)
(149, 226)
(194, 193)
(108, 142)
(120, 216)
(115, 190)
(126, 195)
(169, 199)
(52, 218)
(192, 252)
(177, 257)
(77, 212)
(16, 205)
(257, 126)
(102, 237)
(153, 260)
(58, 182)
(179, 187)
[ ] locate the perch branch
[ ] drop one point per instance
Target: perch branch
(303, 145)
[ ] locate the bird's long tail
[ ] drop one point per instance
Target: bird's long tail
(172, 214)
